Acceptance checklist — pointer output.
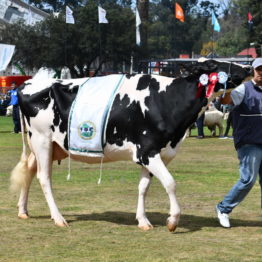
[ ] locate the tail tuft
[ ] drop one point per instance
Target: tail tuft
(19, 174)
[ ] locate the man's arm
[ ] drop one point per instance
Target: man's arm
(238, 94)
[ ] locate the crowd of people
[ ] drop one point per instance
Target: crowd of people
(11, 99)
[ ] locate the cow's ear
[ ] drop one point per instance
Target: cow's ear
(210, 65)
(184, 70)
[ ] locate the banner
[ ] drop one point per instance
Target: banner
(138, 23)
(6, 54)
(102, 16)
(215, 22)
(69, 16)
(179, 13)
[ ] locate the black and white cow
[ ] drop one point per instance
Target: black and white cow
(147, 122)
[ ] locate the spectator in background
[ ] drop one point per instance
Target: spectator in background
(200, 126)
(14, 103)
(217, 103)
(229, 120)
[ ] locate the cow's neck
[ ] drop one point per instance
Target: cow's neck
(183, 107)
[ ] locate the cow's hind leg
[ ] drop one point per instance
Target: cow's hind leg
(144, 183)
(159, 170)
(43, 151)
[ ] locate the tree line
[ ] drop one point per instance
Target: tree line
(53, 43)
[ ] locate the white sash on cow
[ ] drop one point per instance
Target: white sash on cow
(89, 114)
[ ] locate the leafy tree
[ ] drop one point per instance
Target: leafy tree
(208, 48)
(254, 7)
(53, 43)
(235, 35)
(54, 5)
(168, 37)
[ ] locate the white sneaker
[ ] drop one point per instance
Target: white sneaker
(223, 218)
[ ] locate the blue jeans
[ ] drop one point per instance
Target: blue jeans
(250, 157)
(200, 125)
(16, 119)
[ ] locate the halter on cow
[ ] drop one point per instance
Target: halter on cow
(148, 121)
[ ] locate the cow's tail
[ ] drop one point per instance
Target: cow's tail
(21, 174)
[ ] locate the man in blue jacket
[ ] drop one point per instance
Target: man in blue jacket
(14, 103)
(247, 132)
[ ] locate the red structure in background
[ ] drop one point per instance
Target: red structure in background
(248, 52)
(184, 56)
(6, 81)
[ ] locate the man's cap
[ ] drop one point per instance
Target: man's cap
(257, 62)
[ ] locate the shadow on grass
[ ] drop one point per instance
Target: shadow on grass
(189, 222)
(6, 132)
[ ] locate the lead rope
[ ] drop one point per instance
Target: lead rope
(225, 89)
(229, 75)
(100, 176)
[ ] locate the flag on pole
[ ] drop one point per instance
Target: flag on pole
(250, 21)
(138, 23)
(179, 13)
(6, 54)
(102, 16)
(215, 22)
(69, 16)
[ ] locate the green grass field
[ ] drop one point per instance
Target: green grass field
(101, 218)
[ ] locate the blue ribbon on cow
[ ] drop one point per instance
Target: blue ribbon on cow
(222, 79)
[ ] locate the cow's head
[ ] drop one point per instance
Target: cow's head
(229, 74)
(236, 73)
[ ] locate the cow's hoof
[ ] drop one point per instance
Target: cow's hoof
(23, 216)
(171, 228)
(171, 224)
(146, 227)
(62, 224)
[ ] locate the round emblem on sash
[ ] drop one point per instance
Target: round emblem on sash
(203, 79)
(222, 77)
(87, 130)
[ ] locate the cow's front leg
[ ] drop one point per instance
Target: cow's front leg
(159, 170)
(144, 184)
(43, 151)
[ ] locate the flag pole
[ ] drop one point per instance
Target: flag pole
(66, 44)
(213, 43)
(213, 30)
(100, 43)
